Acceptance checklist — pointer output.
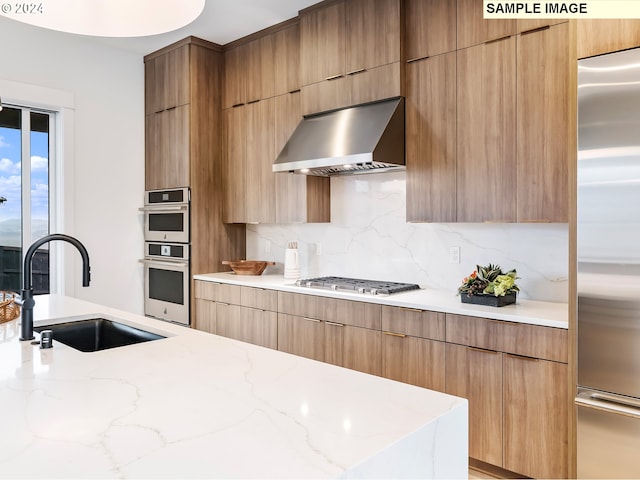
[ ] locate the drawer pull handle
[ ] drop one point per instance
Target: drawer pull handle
(335, 324)
(393, 334)
(355, 72)
(334, 77)
(522, 357)
(312, 319)
(481, 350)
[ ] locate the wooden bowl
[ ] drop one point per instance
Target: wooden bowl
(247, 267)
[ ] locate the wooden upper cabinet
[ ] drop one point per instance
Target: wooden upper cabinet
(322, 43)
(430, 28)
(372, 34)
(235, 150)
(287, 59)
(236, 67)
(260, 69)
(167, 80)
(473, 29)
(431, 139)
(486, 119)
(543, 124)
(599, 36)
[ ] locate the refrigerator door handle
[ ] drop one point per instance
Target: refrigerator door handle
(609, 403)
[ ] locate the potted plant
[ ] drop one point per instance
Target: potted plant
(489, 286)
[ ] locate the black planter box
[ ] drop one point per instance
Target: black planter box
(489, 300)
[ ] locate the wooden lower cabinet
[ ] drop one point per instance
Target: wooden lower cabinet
(535, 417)
(249, 325)
(362, 349)
(413, 360)
(301, 336)
(205, 315)
(476, 375)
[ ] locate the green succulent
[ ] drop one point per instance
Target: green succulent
(490, 280)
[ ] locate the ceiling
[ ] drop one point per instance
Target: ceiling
(221, 22)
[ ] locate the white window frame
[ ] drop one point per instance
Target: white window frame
(61, 168)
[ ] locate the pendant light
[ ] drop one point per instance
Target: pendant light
(106, 18)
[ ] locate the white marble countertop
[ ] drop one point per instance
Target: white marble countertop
(196, 405)
(532, 312)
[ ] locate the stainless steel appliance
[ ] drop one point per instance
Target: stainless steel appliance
(355, 285)
(166, 281)
(608, 395)
(166, 215)
(360, 139)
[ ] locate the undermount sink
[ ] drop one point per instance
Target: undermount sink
(94, 334)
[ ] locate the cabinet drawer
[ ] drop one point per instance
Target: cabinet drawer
(509, 337)
(413, 322)
(304, 305)
(259, 298)
(205, 290)
(356, 314)
(228, 293)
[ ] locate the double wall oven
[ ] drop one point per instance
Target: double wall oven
(167, 272)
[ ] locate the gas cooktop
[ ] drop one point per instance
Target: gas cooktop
(371, 287)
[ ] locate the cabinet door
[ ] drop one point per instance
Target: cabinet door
(287, 60)
(372, 33)
(362, 350)
(535, 417)
(598, 36)
(301, 336)
(247, 324)
(473, 29)
(334, 343)
(259, 180)
(486, 150)
(205, 315)
(167, 80)
(260, 69)
(236, 67)
(167, 148)
(327, 95)
(430, 27)
(322, 43)
(228, 321)
(476, 375)
(543, 124)
(431, 139)
(375, 84)
(234, 208)
(417, 361)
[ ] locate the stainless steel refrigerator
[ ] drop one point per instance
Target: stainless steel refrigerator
(608, 398)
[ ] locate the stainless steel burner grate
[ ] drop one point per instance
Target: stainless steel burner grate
(371, 287)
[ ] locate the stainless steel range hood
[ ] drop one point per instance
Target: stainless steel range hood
(361, 139)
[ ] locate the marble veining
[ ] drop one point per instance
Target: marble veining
(368, 237)
(196, 405)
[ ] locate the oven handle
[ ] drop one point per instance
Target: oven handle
(165, 263)
(164, 208)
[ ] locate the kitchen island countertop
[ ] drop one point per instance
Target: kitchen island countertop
(199, 405)
(548, 314)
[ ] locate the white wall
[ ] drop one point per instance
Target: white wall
(368, 237)
(103, 176)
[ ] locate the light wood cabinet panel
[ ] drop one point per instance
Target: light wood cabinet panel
(299, 198)
(287, 59)
(535, 417)
(228, 294)
(167, 80)
(598, 36)
(205, 317)
(327, 95)
(236, 76)
(302, 305)
(372, 33)
(167, 148)
(334, 343)
(322, 43)
(235, 124)
(476, 375)
(410, 321)
(259, 298)
(375, 84)
(261, 74)
(301, 336)
(543, 124)
(430, 28)
(473, 29)
(475, 331)
(247, 324)
(357, 314)
(259, 182)
(431, 139)
(486, 118)
(413, 360)
(362, 350)
(205, 290)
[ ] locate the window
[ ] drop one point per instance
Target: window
(25, 170)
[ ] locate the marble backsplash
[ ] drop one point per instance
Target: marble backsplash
(368, 237)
